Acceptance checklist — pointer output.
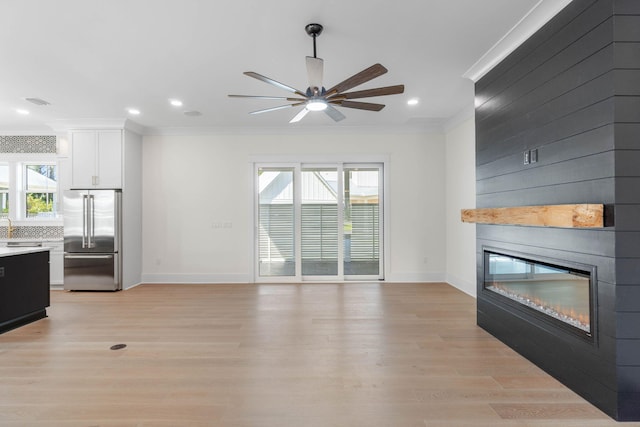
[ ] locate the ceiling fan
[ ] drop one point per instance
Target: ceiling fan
(317, 98)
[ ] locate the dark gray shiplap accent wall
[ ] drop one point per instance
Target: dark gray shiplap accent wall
(571, 92)
(627, 219)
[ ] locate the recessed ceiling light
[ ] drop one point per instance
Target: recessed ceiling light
(21, 111)
(133, 111)
(413, 101)
(175, 102)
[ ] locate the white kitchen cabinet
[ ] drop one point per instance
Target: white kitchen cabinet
(56, 262)
(96, 159)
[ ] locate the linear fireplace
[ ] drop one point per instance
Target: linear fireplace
(560, 294)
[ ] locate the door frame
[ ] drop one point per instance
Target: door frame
(297, 163)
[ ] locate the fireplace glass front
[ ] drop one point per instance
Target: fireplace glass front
(559, 294)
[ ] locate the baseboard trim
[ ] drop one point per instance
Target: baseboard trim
(465, 286)
(196, 278)
(246, 278)
(415, 277)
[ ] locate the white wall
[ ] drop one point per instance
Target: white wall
(461, 194)
(192, 182)
(132, 210)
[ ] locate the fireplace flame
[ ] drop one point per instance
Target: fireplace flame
(566, 314)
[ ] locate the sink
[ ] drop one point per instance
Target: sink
(14, 244)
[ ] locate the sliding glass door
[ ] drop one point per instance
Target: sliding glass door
(361, 221)
(319, 222)
(276, 242)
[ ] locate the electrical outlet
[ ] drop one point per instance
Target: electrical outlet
(534, 156)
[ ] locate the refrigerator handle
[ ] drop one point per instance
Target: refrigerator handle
(71, 256)
(90, 217)
(85, 209)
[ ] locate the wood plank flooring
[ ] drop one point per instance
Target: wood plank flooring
(274, 355)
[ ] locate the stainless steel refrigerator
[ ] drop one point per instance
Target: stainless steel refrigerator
(92, 240)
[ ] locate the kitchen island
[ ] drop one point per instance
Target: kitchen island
(24, 285)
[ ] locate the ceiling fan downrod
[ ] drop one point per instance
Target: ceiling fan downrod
(314, 30)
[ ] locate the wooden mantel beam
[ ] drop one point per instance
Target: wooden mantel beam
(569, 216)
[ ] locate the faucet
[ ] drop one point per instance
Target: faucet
(10, 229)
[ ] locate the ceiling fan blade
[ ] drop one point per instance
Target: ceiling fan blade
(282, 98)
(334, 114)
(299, 116)
(281, 107)
(359, 105)
(380, 91)
(363, 76)
(273, 82)
(314, 71)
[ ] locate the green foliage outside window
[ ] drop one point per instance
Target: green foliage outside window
(40, 180)
(4, 204)
(39, 203)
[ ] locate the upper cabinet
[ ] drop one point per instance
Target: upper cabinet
(96, 158)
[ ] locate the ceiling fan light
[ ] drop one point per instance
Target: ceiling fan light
(316, 105)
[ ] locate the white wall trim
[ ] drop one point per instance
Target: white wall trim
(64, 125)
(289, 159)
(27, 132)
(134, 285)
(253, 220)
(462, 285)
(411, 127)
(297, 161)
(386, 216)
(415, 277)
(539, 15)
(462, 116)
(196, 278)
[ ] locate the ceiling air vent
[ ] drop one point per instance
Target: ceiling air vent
(192, 113)
(37, 101)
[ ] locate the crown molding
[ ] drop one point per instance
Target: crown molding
(413, 126)
(539, 15)
(462, 116)
(64, 125)
(37, 132)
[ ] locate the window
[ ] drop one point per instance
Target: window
(40, 190)
(28, 189)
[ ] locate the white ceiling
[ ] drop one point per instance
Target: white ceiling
(94, 59)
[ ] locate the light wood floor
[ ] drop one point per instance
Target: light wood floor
(274, 355)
